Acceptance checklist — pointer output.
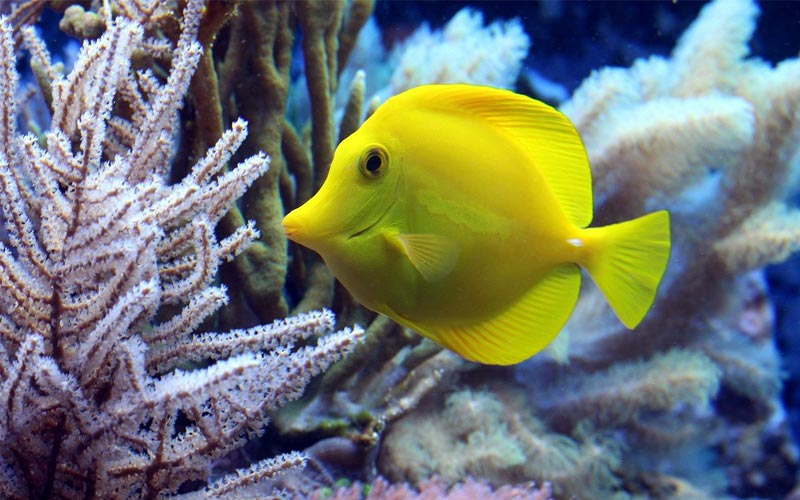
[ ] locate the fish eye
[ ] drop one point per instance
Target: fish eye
(374, 162)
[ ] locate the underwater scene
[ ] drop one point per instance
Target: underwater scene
(366, 249)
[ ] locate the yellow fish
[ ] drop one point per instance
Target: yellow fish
(460, 212)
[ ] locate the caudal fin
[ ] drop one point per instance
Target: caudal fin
(627, 261)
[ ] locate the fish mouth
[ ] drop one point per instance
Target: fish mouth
(374, 223)
(290, 233)
(290, 228)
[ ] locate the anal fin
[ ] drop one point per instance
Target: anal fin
(522, 330)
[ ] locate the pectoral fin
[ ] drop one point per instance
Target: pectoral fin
(434, 256)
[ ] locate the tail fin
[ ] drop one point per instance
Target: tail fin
(627, 261)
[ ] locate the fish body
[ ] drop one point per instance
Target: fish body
(461, 211)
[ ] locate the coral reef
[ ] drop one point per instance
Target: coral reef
(686, 406)
(490, 434)
(691, 397)
(107, 271)
(464, 51)
(711, 135)
(434, 488)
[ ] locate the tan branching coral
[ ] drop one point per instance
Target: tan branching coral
(244, 70)
(253, 79)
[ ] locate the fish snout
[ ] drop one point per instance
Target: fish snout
(308, 225)
(291, 226)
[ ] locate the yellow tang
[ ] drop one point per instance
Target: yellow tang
(460, 211)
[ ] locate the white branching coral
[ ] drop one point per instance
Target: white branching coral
(106, 273)
(710, 134)
(463, 52)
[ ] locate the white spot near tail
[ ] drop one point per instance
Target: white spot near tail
(576, 242)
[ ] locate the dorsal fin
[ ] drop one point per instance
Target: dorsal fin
(544, 133)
